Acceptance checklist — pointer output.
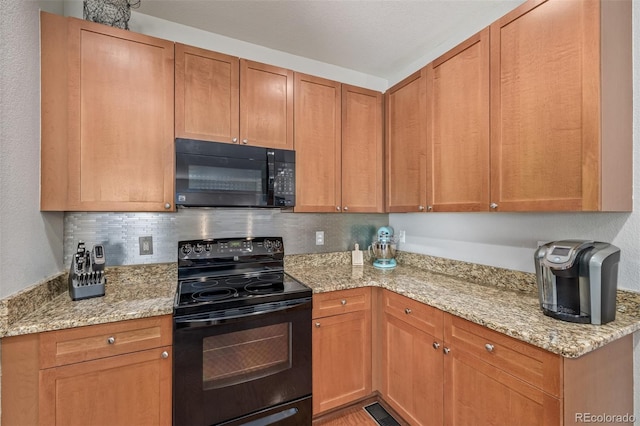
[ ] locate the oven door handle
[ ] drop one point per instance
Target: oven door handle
(237, 315)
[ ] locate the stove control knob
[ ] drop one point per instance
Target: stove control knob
(268, 244)
(277, 244)
(186, 249)
(198, 248)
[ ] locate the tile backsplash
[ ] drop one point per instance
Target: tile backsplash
(120, 232)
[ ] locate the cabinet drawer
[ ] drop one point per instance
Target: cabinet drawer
(417, 314)
(340, 302)
(533, 365)
(98, 341)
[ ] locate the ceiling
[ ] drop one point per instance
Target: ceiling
(375, 37)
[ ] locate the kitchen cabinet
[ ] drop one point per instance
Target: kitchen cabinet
(107, 118)
(341, 348)
(458, 128)
(117, 373)
(362, 154)
(438, 368)
(412, 374)
(561, 125)
(318, 128)
(406, 162)
(222, 98)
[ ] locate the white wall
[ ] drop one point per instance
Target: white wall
(30, 241)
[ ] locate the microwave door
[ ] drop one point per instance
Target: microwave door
(205, 180)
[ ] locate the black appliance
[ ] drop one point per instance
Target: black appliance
(242, 336)
(214, 174)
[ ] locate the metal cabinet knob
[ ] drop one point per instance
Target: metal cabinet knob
(165, 354)
(234, 140)
(407, 311)
(429, 208)
(343, 302)
(421, 208)
(345, 208)
(493, 206)
(338, 208)
(317, 325)
(167, 206)
(245, 141)
(436, 345)
(111, 340)
(488, 347)
(446, 350)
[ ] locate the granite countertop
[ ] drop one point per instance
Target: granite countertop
(502, 300)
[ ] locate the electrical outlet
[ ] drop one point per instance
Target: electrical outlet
(402, 236)
(319, 238)
(146, 245)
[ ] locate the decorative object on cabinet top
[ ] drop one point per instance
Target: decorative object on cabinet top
(115, 13)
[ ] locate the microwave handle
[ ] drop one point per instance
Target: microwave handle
(271, 176)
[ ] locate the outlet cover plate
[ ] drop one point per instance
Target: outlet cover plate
(146, 245)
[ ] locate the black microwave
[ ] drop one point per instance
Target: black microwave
(214, 174)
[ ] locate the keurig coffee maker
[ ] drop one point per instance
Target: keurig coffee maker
(578, 280)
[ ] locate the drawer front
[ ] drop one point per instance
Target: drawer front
(533, 365)
(417, 314)
(80, 344)
(341, 302)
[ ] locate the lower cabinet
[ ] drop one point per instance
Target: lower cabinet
(109, 374)
(341, 348)
(438, 369)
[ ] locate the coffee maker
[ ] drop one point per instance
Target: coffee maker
(578, 280)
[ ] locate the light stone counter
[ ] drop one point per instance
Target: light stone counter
(502, 300)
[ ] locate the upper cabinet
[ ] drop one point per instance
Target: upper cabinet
(318, 144)
(458, 128)
(561, 105)
(406, 144)
(362, 151)
(107, 118)
(225, 99)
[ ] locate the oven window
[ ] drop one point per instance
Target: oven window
(224, 179)
(242, 356)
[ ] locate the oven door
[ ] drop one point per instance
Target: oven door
(210, 174)
(232, 366)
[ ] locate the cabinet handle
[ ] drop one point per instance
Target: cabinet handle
(421, 208)
(446, 350)
(493, 206)
(338, 208)
(345, 208)
(436, 345)
(343, 301)
(167, 206)
(488, 347)
(407, 311)
(164, 355)
(234, 140)
(317, 325)
(111, 340)
(429, 208)
(245, 141)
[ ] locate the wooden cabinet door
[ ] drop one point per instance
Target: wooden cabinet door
(481, 394)
(362, 151)
(341, 359)
(207, 95)
(131, 389)
(458, 128)
(266, 105)
(120, 141)
(317, 120)
(412, 374)
(545, 142)
(406, 144)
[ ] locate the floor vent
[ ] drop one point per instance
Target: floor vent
(380, 415)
